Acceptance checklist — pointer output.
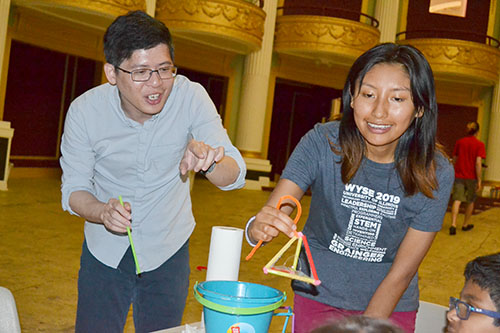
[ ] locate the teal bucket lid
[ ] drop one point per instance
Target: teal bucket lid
(277, 301)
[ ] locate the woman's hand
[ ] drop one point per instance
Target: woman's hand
(268, 223)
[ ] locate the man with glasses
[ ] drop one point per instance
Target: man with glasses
(136, 138)
(478, 309)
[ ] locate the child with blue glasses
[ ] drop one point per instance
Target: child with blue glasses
(478, 309)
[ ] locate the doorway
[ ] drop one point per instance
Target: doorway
(452, 120)
(216, 87)
(41, 84)
(297, 108)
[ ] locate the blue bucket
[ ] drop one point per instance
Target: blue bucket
(233, 306)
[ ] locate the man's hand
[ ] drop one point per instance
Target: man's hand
(116, 217)
(199, 156)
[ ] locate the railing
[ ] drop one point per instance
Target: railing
(328, 11)
(450, 34)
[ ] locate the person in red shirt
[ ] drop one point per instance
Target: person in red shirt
(467, 159)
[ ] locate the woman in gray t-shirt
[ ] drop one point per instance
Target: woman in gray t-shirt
(380, 189)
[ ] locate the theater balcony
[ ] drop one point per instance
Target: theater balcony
(458, 56)
(332, 36)
(93, 14)
(232, 25)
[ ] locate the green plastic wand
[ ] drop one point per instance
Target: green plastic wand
(131, 243)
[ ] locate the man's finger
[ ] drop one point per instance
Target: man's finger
(199, 165)
(209, 160)
(197, 149)
(219, 154)
(122, 210)
(183, 167)
(187, 162)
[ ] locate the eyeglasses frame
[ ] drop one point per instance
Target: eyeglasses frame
(454, 304)
(151, 71)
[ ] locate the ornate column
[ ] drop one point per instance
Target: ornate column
(492, 173)
(387, 13)
(4, 19)
(151, 7)
(6, 132)
(253, 104)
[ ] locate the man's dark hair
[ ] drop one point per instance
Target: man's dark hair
(472, 128)
(134, 31)
(485, 272)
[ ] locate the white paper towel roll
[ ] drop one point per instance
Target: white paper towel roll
(225, 253)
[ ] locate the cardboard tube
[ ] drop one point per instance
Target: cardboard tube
(225, 254)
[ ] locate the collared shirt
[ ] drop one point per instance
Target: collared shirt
(108, 154)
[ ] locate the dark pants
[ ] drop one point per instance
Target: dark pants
(105, 293)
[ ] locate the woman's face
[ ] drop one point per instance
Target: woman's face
(383, 110)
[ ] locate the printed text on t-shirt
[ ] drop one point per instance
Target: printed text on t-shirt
(368, 208)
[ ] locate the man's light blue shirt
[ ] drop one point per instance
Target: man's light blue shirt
(108, 154)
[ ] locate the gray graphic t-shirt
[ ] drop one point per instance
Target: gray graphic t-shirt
(355, 229)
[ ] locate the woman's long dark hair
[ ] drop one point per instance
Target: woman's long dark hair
(414, 155)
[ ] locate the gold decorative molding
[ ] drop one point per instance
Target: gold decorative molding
(311, 72)
(232, 25)
(326, 39)
(251, 154)
(460, 61)
(93, 13)
(36, 28)
(460, 93)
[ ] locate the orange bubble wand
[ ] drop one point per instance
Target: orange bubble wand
(297, 217)
(290, 272)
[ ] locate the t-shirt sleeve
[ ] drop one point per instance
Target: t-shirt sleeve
(482, 151)
(432, 211)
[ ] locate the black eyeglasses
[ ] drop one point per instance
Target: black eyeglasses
(144, 74)
(464, 309)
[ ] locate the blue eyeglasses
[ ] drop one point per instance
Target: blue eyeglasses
(463, 309)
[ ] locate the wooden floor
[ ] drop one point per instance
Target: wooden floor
(40, 248)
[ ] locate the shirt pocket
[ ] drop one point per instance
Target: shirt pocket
(165, 160)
